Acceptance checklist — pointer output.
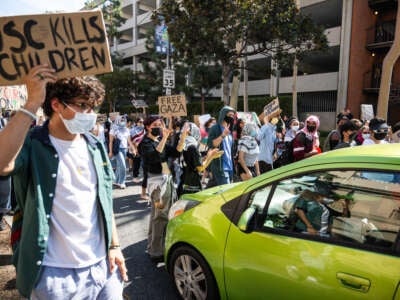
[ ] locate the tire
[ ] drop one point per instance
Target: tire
(191, 275)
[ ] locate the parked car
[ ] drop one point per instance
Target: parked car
(327, 226)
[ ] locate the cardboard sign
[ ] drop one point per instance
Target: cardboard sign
(367, 112)
(248, 117)
(74, 44)
(139, 103)
(272, 108)
(174, 105)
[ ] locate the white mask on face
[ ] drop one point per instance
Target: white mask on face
(295, 128)
(365, 136)
(80, 123)
(396, 137)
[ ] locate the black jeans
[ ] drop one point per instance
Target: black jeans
(264, 166)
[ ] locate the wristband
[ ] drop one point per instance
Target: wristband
(28, 113)
(112, 247)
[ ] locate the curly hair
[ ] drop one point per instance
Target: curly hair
(67, 89)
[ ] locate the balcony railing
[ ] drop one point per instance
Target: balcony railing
(382, 4)
(381, 36)
(372, 81)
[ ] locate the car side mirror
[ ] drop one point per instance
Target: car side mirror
(247, 219)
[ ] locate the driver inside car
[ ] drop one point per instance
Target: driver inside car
(315, 212)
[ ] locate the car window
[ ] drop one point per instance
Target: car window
(358, 207)
(259, 198)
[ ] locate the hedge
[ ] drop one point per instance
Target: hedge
(213, 107)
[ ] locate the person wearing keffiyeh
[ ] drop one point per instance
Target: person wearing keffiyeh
(248, 151)
(306, 142)
(192, 161)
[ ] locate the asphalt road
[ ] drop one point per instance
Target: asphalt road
(147, 281)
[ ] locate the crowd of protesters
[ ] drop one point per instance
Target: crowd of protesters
(167, 156)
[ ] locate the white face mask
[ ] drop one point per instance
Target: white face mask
(81, 123)
(295, 128)
(396, 137)
(365, 136)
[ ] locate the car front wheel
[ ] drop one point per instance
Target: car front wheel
(191, 274)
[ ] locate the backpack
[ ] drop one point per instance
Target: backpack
(286, 157)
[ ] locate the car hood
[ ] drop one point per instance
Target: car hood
(212, 192)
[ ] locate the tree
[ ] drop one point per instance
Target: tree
(205, 77)
(230, 30)
(118, 85)
(111, 14)
(196, 76)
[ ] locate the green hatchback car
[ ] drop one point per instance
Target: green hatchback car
(325, 227)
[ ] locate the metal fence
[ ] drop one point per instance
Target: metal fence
(317, 102)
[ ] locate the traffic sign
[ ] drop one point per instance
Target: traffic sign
(169, 79)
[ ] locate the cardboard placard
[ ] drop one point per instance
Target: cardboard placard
(174, 106)
(367, 112)
(248, 117)
(74, 44)
(272, 108)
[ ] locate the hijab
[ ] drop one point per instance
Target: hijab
(193, 138)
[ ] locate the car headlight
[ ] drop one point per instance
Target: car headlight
(180, 206)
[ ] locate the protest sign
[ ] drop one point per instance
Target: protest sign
(272, 108)
(74, 44)
(367, 112)
(174, 105)
(248, 117)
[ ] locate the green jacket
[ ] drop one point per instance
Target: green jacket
(35, 177)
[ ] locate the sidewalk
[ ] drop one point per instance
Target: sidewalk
(7, 270)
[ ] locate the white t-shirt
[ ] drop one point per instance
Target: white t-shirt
(371, 142)
(76, 237)
(100, 132)
(123, 134)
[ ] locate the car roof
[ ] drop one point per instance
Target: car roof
(369, 153)
(367, 156)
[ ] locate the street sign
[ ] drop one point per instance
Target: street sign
(169, 79)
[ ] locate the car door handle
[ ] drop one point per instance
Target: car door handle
(354, 282)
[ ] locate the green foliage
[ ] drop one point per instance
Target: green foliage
(213, 107)
(111, 14)
(214, 29)
(195, 76)
(118, 85)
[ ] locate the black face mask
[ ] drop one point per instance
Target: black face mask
(229, 120)
(155, 131)
(353, 136)
(380, 136)
(311, 128)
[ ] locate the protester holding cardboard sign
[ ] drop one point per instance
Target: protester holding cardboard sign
(74, 44)
(63, 229)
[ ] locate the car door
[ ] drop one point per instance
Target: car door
(357, 258)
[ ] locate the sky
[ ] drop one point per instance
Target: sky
(31, 7)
